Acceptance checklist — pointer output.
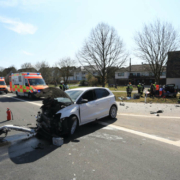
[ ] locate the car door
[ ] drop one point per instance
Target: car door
(88, 111)
(103, 102)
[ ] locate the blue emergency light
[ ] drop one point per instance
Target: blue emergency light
(27, 73)
(38, 73)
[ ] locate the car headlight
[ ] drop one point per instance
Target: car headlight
(34, 90)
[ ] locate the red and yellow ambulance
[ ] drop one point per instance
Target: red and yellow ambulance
(3, 86)
(26, 84)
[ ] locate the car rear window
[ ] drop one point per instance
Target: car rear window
(100, 93)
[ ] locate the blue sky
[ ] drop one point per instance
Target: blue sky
(36, 30)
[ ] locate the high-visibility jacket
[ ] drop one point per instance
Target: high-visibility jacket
(130, 87)
(157, 87)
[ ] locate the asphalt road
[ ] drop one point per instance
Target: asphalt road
(129, 148)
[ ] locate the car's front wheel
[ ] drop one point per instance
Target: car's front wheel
(113, 112)
(73, 123)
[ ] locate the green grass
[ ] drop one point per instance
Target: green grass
(171, 100)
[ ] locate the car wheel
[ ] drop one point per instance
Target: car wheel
(113, 112)
(30, 96)
(73, 125)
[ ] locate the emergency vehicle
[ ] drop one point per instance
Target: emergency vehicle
(26, 84)
(3, 86)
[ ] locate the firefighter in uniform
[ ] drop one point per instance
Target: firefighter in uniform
(139, 88)
(130, 89)
(61, 86)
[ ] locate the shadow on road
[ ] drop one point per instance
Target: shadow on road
(27, 151)
(4, 99)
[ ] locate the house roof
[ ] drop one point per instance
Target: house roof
(137, 68)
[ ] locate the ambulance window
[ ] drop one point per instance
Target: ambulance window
(26, 82)
(20, 79)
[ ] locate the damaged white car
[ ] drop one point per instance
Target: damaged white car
(62, 112)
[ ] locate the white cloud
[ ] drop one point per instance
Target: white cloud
(18, 26)
(27, 53)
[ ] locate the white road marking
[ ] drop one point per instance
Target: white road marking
(167, 141)
(37, 104)
(152, 116)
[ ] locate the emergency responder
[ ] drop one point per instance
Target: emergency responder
(152, 90)
(61, 86)
(139, 88)
(130, 89)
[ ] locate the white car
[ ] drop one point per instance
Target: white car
(76, 107)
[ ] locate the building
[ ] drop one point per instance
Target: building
(173, 68)
(81, 72)
(136, 74)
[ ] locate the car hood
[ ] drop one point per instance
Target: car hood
(52, 93)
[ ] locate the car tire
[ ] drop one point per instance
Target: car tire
(113, 112)
(30, 96)
(17, 94)
(73, 125)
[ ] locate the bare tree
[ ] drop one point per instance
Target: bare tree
(102, 50)
(154, 42)
(45, 70)
(26, 66)
(1, 71)
(66, 66)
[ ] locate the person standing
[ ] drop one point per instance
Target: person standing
(130, 89)
(152, 90)
(61, 86)
(160, 90)
(138, 86)
(157, 90)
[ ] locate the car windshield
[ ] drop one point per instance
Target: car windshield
(63, 100)
(74, 94)
(2, 83)
(36, 82)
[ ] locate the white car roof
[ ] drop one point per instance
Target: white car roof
(87, 88)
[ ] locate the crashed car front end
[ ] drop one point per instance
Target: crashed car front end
(49, 121)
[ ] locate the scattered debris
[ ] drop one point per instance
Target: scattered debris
(155, 112)
(177, 106)
(122, 104)
(58, 141)
(69, 154)
(29, 124)
(160, 111)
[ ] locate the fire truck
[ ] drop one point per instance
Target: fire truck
(3, 86)
(26, 84)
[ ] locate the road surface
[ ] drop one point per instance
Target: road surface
(131, 147)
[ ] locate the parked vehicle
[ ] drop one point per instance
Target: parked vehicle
(3, 86)
(63, 112)
(171, 90)
(26, 84)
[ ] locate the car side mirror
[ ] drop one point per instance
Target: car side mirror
(84, 101)
(26, 84)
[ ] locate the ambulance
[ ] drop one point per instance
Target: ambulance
(26, 84)
(3, 86)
